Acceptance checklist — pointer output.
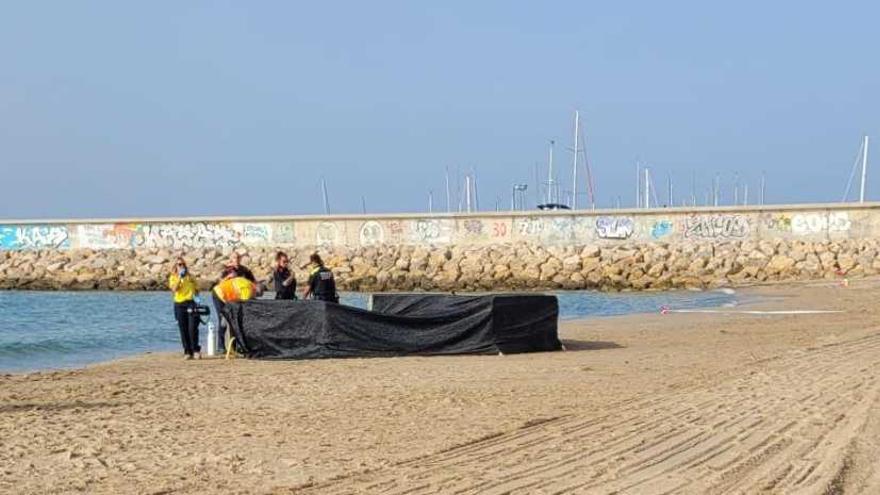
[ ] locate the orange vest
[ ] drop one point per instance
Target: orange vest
(235, 289)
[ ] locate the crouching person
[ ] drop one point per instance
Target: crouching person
(232, 288)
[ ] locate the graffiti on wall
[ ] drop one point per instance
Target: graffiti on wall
(614, 227)
(528, 227)
(472, 227)
(430, 231)
(780, 222)
(16, 237)
(105, 236)
(326, 234)
(661, 228)
(173, 235)
(560, 229)
(372, 233)
(500, 228)
(716, 226)
(199, 235)
(283, 233)
(815, 223)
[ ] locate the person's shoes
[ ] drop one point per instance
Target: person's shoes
(188, 357)
(199, 355)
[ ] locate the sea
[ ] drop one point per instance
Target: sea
(59, 330)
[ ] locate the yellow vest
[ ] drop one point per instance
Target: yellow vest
(187, 289)
(235, 289)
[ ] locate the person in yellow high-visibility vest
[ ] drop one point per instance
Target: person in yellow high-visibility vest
(185, 290)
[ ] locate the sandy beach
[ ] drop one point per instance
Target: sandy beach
(720, 402)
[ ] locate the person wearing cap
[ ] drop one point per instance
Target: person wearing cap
(321, 285)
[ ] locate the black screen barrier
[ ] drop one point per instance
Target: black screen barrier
(400, 324)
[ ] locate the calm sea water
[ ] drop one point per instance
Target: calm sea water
(48, 330)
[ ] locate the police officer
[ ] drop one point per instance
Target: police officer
(284, 279)
(321, 285)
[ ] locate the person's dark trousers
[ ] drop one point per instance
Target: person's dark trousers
(221, 323)
(182, 317)
(194, 321)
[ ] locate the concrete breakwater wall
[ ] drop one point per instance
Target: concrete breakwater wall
(613, 249)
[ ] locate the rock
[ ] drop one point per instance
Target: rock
(779, 264)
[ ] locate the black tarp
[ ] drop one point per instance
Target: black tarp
(421, 324)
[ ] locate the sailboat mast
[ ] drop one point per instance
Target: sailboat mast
(763, 187)
(574, 167)
(864, 170)
(467, 192)
(550, 175)
(448, 203)
(638, 185)
(647, 188)
(326, 199)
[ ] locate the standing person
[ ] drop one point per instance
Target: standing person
(234, 263)
(234, 266)
(185, 289)
(322, 285)
(284, 279)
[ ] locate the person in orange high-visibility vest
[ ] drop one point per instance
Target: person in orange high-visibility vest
(235, 289)
(232, 288)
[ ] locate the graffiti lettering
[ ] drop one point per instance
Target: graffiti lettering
(713, 226)
(814, 223)
(499, 229)
(254, 233)
(105, 236)
(431, 231)
(529, 226)
(14, 237)
(614, 227)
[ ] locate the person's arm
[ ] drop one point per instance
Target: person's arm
(308, 290)
(195, 286)
(290, 280)
(247, 273)
(174, 282)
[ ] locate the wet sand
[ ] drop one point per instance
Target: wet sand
(676, 403)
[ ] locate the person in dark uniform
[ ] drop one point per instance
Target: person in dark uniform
(284, 279)
(322, 285)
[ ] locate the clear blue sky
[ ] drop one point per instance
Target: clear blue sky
(173, 108)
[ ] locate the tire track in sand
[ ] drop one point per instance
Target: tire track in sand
(785, 427)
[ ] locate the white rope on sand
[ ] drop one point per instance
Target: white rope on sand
(753, 312)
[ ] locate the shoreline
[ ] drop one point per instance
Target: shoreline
(736, 295)
(691, 403)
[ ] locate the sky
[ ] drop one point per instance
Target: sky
(121, 109)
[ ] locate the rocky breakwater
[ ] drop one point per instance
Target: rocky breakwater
(466, 268)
